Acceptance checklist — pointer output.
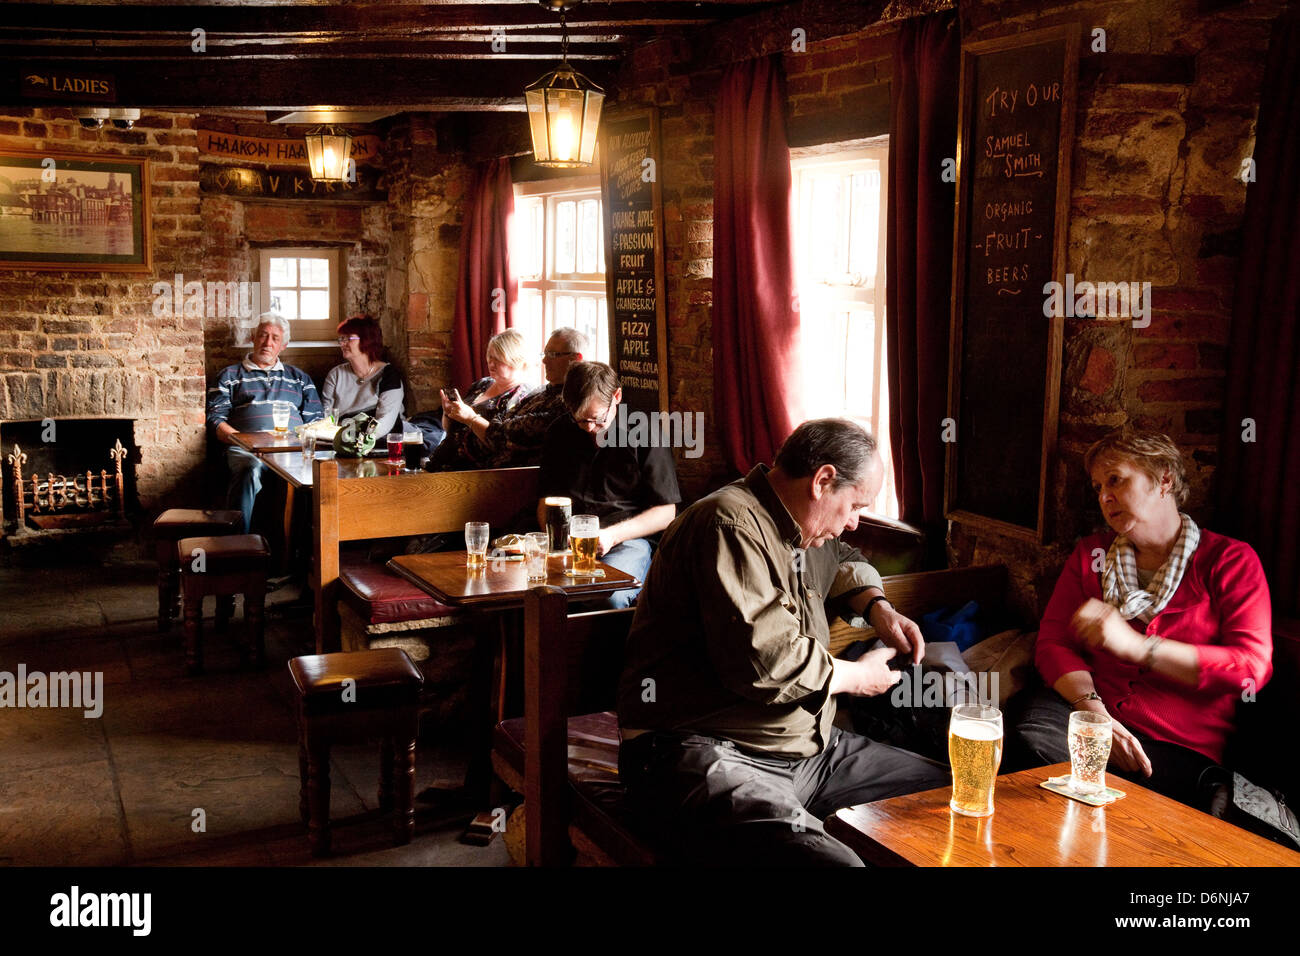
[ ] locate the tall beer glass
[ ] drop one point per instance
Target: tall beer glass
(974, 751)
(584, 538)
(1089, 740)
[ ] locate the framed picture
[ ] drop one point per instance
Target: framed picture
(74, 212)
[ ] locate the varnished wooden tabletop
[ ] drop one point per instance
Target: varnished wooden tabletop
(1031, 826)
(262, 442)
(502, 584)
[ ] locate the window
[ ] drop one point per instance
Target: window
(838, 215)
(558, 256)
(302, 284)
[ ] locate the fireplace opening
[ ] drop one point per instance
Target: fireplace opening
(65, 475)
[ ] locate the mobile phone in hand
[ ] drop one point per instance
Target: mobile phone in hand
(452, 393)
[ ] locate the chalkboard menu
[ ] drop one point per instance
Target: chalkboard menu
(634, 257)
(1017, 128)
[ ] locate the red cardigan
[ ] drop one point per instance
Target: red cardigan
(1221, 606)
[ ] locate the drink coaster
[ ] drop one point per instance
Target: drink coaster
(1061, 785)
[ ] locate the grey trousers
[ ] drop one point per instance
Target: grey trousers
(709, 802)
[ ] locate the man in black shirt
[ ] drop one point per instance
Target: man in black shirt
(630, 487)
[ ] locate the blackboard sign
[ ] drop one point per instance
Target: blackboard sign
(1017, 128)
(634, 257)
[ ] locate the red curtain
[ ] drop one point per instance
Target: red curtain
(486, 290)
(756, 372)
(1255, 480)
(922, 135)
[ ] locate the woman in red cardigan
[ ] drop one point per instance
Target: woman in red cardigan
(1157, 623)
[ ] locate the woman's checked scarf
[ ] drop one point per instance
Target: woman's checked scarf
(1119, 580)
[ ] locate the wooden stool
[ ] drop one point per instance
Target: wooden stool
(225, 566)
(168, 528)
(350, 696)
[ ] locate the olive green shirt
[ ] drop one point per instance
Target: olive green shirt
(730, 635)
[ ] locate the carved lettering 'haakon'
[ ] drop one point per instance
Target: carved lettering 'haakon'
(74, 909)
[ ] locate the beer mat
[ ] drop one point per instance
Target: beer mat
(1061, 785)
(570, 573)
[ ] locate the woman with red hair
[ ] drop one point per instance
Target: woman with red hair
(365, 382)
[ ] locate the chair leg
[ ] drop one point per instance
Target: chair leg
(167, 594)
(318, 797)
(225, 611)
(404, 790)
(193, 634)
(304, 807)
(387, 762)
(255, 618)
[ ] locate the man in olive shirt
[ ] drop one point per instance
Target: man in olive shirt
(726, 702)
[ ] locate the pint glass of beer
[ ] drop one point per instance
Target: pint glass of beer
(558, 512)
(974, 751)
(1089, 740)
(584, 538)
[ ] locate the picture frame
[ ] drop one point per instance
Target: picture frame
(74, 212)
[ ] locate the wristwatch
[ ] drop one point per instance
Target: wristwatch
(866, 611)
(1091, 695)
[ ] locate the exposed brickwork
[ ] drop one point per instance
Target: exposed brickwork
(85, 343)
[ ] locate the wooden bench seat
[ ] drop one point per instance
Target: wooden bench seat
(348, 507)
(566, 766)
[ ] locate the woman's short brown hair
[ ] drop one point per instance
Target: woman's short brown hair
(1150, 452)
(370, 336)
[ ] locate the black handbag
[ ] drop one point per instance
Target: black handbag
(1260, 810)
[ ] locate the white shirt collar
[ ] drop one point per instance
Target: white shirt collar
(251, 366)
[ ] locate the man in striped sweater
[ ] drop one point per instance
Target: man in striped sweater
(241, 400)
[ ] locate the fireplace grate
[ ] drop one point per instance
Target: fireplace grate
(68, 501)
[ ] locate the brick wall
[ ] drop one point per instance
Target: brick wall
(85, 344)
(1153, 199)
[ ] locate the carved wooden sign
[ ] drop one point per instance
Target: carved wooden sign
(249, 183)
(276, 152)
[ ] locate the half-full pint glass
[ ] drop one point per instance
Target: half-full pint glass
(974, 751)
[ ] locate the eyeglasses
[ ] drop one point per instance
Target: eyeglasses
(345, 339)
(556, 354)
(592, 421)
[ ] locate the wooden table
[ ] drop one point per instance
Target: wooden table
(1031, 826)
(262, 442)
(497, 593)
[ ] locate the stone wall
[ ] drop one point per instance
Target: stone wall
(85, 343)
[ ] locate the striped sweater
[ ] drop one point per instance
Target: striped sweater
(244, 394)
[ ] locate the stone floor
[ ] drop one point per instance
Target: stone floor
(123, 789)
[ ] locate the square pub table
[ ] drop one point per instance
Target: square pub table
(495, 599)
(1031, 826)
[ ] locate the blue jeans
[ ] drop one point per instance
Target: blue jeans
(631, 557)
(245, 481)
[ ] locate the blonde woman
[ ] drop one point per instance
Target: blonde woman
(491, 397)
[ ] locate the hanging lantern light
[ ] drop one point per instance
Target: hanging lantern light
(328, 153)
(563, 108)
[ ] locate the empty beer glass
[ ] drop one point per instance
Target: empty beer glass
(974, 751)
(1089, 738)
(536, 549)
(280, 416)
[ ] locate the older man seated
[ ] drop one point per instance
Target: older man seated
(242, 399)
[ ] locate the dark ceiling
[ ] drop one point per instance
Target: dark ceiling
(385, 55)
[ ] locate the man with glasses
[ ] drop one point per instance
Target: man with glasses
(587, 457)
(516, 438)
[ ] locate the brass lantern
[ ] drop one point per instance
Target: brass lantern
(563, 108)
(328, 152)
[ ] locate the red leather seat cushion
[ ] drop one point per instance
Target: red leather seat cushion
(598, 796)
(380, 597)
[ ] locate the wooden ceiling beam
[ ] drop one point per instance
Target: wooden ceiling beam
(95, 57)
(315, 83)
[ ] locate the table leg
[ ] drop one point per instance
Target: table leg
(286, 559)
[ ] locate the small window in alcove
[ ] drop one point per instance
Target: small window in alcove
(302, 284)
